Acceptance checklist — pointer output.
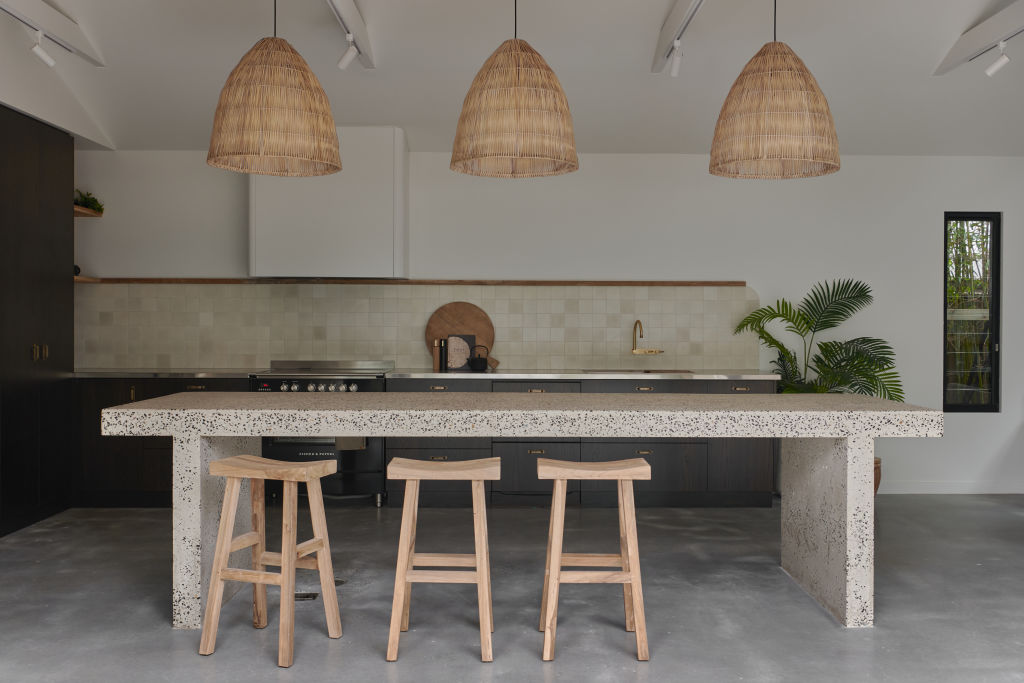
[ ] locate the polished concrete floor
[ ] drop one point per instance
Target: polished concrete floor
(84, 596)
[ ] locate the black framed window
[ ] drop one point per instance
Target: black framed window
(971, 302)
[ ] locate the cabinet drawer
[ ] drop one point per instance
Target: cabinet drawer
(677, 469)
(742, 465)
(438, 384)
(436, 493)
(528, 387)
(756, 386)
(519, 483)
(644, 386)
(431, 442)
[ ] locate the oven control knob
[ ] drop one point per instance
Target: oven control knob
(353, 387)
(321, 387)
(310, 387)
(295, 386)
(331, 387)
(341, 386)
(284, 386)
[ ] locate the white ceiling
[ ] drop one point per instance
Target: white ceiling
(167, 60)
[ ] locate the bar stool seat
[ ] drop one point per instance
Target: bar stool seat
(625, 564)
(292, 555)
(475, 567)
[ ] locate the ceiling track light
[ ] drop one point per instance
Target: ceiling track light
(677, 57)
(1000, 62)
(350, 54)
(42, 54)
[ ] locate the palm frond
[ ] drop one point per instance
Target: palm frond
(788, 368)
(863, 365)
(796, 321)
(827, 305)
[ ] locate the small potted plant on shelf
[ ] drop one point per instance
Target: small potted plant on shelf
(863, 365)
(85, 200)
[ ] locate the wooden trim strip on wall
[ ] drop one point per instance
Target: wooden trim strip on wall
(386, 281)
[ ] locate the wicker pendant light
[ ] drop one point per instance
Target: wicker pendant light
(775, 122)
(273, 118)
(515, 120)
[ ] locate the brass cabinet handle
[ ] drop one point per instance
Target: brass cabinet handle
(536, 391)
(438, 387)
(439, 457)
(535, 451)
(46, 351)
(35, 352)
(131, 394)
(645, 388)
(644, 452)
(741, 388)
(195, 387)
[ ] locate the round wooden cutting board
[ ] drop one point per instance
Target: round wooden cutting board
(461, 317)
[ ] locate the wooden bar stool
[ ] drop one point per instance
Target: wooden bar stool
(414, 471)
(627, 561)
(292, 555)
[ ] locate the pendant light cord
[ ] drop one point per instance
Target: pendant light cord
(275, 18)
(515, 19)
(775, 20)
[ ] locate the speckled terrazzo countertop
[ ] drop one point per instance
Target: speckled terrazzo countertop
(513, 414)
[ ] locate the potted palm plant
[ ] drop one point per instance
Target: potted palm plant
(862, 365)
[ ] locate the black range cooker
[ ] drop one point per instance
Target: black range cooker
(360, 460)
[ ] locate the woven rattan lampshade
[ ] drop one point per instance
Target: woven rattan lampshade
(775, 123)
(515, 120)
(273, 118)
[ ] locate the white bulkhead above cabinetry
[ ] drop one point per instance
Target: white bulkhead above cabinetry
(353, 223)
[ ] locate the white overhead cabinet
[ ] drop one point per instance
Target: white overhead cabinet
(353, 223)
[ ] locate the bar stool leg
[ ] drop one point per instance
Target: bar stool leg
(402, 570)
(412, 554)
(633, 554)
(259, 525)
(215, 593)
(286, 631)
(482, 571)
(627, 592)
(323, 559)
(547, 574)
(554, 568)
(487, 566)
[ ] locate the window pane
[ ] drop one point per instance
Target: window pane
(972, 324)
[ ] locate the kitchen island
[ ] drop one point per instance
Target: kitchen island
(826, 478)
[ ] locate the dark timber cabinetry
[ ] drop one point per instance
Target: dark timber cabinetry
(685, 472)
(127, 471)
(36, 318)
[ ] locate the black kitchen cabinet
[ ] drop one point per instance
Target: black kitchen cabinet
(679, 472)
(519, 484)
(642, 385)
(438, 385)
(127, 471)
(37, 318)
(536, 387)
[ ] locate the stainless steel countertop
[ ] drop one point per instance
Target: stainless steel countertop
(735, 374)
(407, 373)
(163, 373)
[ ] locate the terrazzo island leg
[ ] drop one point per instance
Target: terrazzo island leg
(196, 512)
(828, 510)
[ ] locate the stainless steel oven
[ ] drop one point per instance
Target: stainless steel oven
(361, 474)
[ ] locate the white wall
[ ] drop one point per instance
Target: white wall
(167, 214)
(879, 219)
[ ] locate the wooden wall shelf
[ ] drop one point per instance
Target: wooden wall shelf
(82, 212)
(385, 281)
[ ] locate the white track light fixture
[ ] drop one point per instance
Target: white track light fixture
(42, 54)
(350, 54)
(677, 57)
(1002, 61)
